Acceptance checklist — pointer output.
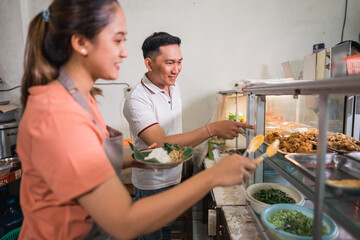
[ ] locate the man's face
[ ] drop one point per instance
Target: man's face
(166, 67)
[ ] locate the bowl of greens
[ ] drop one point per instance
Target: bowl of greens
(262, 195)
(295, 222)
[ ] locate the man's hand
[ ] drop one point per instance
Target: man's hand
(228, 129)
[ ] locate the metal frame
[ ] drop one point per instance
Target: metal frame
(349, 85)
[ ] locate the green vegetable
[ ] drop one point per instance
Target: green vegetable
(169, 147)
(233, 116)
(142, 155)
(294, 222)
(273, 196)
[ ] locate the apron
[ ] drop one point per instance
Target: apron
(112, 147)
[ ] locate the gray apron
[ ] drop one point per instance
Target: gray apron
(112, 147)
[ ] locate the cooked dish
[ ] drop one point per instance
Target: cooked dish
(297, 142)
(345, 183)
(168, 154)
(273, 196)
(342, 142)
(303, 142)
(276, 118)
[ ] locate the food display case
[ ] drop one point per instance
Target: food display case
(314, 107)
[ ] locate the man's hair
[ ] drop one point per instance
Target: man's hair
(152, 44)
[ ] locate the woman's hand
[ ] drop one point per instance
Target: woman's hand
(233, 170)
(228, 129)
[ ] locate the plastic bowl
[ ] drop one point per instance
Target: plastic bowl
(259, 206)
(277, 234)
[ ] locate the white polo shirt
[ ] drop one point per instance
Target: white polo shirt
(146, 106)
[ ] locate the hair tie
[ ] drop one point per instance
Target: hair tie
(46, 15)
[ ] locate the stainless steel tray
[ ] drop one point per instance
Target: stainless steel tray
(337, 167)
(338, 150)
(353, 155)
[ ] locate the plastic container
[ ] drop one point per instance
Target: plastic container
(216, 144)
(353, 64)
(12, 217)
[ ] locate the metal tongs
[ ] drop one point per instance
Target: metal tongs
(254, 144)
(270, 151)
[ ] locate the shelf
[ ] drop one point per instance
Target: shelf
(12, 176)
(342, 85)
(344, 210)
(230, 92)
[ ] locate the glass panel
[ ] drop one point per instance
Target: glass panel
(290, 115)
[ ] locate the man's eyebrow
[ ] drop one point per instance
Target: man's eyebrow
(173, 60)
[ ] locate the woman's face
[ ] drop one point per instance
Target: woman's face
(108, 49)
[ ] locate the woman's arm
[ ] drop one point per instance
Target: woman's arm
(112, 208)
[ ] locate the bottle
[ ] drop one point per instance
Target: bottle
(12, 217)
(4, 195)
(2, 231)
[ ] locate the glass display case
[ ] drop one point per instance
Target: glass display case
(300, 106)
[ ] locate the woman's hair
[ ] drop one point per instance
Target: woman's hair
(48, 44)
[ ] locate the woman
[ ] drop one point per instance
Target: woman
(69, 158)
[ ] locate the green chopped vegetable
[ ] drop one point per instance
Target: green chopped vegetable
(273, 196)
(294, 222)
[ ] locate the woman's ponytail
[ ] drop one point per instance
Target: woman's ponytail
(37, 69)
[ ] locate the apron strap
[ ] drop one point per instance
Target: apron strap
(69, 85)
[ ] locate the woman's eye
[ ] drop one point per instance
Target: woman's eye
(120, 40)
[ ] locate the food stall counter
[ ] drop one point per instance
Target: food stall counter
(232, 212)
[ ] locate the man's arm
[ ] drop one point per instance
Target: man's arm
(225, 129)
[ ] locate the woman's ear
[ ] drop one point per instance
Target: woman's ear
(80, 44)
(148, 64)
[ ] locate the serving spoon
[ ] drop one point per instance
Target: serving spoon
(254, 144)
(270, 151)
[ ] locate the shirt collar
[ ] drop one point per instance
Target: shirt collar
(152, 87)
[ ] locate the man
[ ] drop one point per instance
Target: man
(154, 113)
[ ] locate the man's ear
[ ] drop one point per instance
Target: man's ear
(80, 44)
(148, 64)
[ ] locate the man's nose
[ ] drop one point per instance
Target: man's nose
(176, 68)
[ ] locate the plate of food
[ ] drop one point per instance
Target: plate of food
(342, 143)
(168, 156)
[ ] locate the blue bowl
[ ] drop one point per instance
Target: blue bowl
(283, 235)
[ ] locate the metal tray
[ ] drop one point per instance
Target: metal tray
(294, 127)
(338, 150)
(353, 155)
(337, 167)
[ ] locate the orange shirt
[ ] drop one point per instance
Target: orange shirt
(62, 156)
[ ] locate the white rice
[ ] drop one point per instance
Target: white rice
(160, 154)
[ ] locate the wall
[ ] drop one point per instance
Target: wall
(222, 43)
